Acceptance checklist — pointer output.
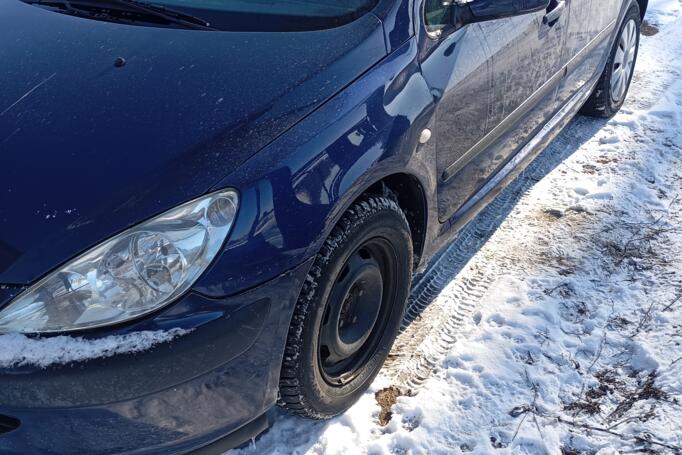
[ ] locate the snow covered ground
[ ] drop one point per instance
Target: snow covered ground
(554, 324)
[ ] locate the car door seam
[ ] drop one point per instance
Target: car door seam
(503, 126)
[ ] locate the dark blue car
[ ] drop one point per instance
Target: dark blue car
(253, 183)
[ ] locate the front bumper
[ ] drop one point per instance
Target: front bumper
(174, 398)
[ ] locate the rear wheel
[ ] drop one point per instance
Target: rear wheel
(349, 311)
(611, 90)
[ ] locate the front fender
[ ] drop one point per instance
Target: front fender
(295, 190)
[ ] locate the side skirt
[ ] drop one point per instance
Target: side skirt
(238, 438)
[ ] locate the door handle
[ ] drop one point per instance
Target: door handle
(554, 13)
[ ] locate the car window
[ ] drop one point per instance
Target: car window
(436, 15)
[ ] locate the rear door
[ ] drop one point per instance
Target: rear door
(496, 83)
(590, 25)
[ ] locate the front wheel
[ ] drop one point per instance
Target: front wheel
(612, 89)
(349, 311)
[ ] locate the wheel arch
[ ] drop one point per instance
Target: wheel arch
(408, 191)
(294, 192)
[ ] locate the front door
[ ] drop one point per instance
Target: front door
(495, 82)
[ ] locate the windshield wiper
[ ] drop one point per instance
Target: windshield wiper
(124, 11)
(174, 16)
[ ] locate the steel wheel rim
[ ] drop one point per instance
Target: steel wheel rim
(342, 352)
(624, 61)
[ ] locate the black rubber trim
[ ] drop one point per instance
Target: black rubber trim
(237, 438)
(8, 424)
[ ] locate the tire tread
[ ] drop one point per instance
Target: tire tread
(291, 393)
(598, 104)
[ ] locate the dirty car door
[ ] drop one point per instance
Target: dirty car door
(496, 82)
(590, 24)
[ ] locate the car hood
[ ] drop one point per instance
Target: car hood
(103, 125)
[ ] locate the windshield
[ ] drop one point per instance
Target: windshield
(272, 15)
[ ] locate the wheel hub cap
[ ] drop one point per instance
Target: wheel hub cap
(624, 62)
(353, 309)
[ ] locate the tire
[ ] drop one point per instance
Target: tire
(362, 274)
(603, 102)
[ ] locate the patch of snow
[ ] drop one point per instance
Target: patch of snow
(19, 350)
(662, 12)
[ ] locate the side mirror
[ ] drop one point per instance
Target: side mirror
(468, 11)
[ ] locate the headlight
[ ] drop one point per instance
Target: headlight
(129, 275)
